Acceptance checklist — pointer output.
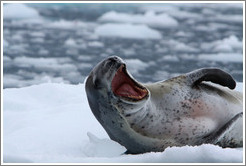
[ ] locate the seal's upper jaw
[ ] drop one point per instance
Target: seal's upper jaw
(127, 88)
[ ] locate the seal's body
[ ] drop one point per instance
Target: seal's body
(180, 111)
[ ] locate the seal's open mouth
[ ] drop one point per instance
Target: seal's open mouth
(124, 86)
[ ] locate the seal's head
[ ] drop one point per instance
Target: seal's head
(110, 78)
(113, 94)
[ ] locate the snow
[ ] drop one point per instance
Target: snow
(127, 31)
(52, 123)
(19, 11)
(150, 18)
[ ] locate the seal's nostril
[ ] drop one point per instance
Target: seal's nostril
(113, 59)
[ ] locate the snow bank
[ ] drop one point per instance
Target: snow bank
(149, 18)
(127, 31)
(52, 122)
(19, 11)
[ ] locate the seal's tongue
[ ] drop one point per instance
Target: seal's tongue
(124, 86)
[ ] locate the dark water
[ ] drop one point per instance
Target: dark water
(61, 44)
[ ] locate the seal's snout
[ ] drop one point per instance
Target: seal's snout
(112, 61)
(115, 59)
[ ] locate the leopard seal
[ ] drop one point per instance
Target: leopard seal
(191, 109)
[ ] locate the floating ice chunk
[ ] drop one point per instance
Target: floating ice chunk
(63, 24)
(5, 43)
(97, 147)
(223, 57)
(159, 8)
(46, 64)
(232, 41)
(179, 46)
(43, 52)
(37, 34)
(229, 44)
(95, 44)
(149, 18)
(135, 65)
(19, 11)
(129, 52)
(6, 59)
(228, 18)
(171, 58)
(127, 31)
(70, 43)
(182, 34)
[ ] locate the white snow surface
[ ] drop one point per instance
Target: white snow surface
(52, 123)
(130, 31)
(19, 11)
(150, 18)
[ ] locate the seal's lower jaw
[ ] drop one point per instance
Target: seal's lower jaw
(125, 87)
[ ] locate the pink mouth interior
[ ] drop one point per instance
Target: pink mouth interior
(124, 86)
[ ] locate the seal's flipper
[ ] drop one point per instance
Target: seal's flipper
(216, 136)
(211, 74)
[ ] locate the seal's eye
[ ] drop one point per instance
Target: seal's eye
(97, 83)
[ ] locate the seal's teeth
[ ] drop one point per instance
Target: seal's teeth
(142, 90)
(135, 97)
